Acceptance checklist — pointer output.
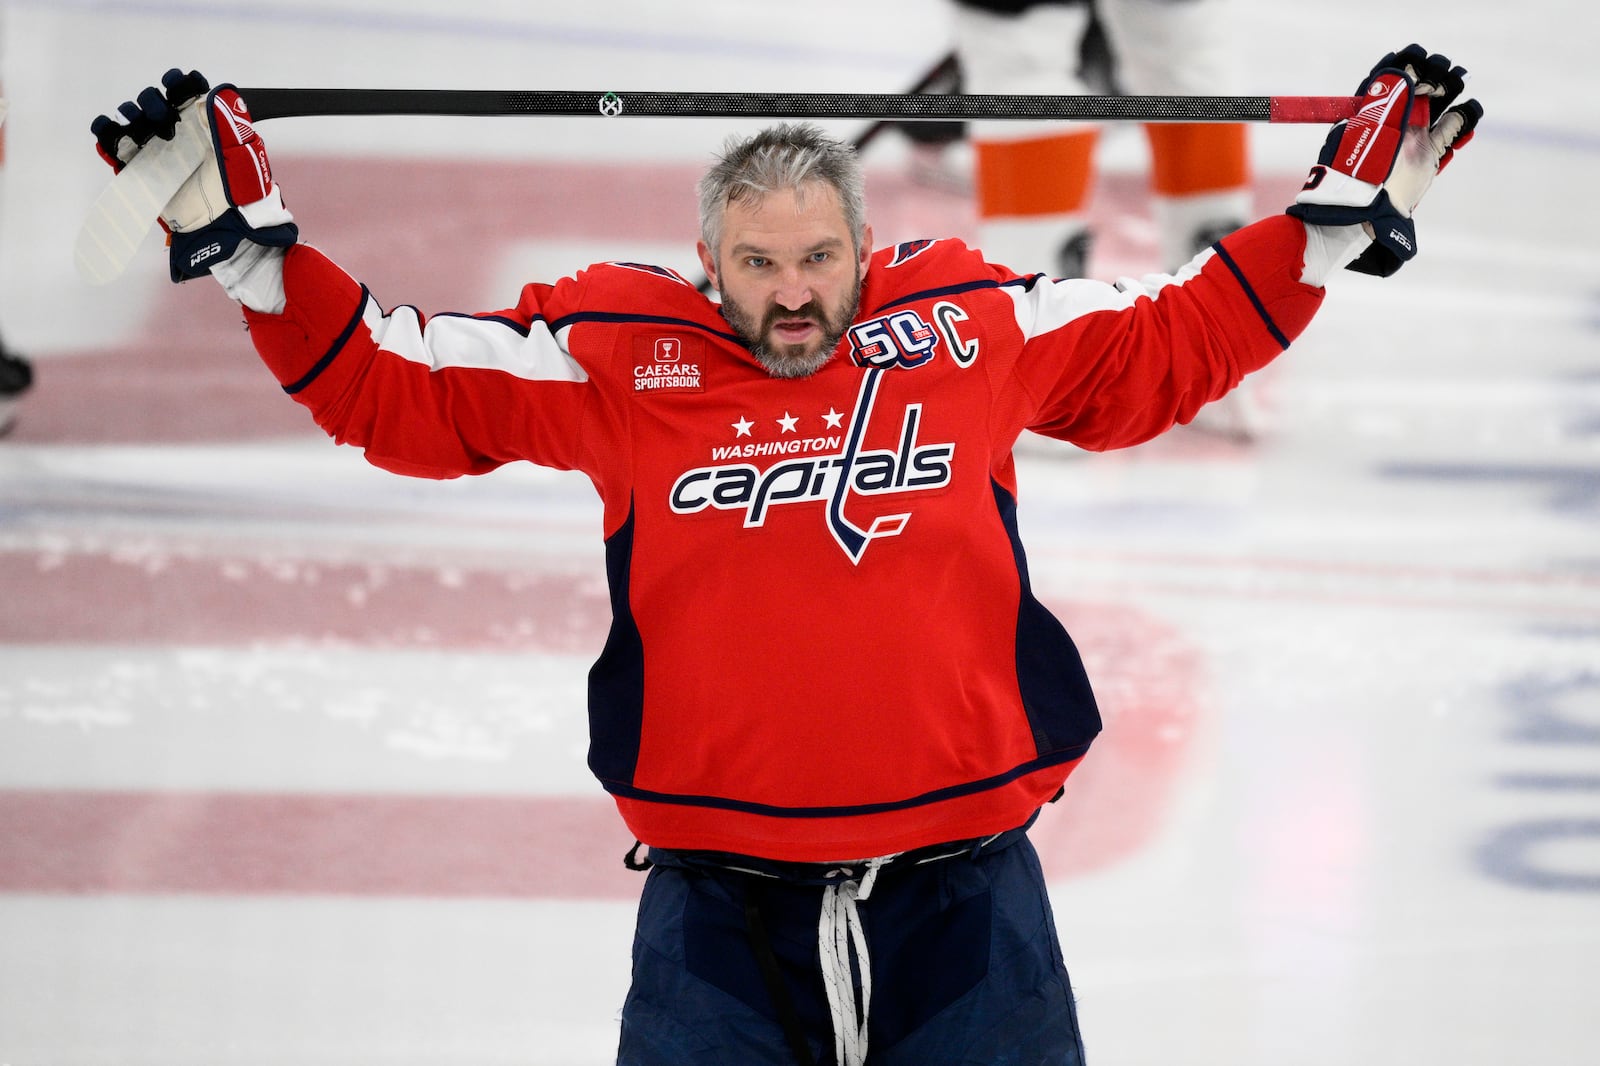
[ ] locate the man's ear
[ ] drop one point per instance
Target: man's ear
(865, 254)
(708, 263)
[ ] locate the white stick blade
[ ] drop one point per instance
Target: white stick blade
(129, 205)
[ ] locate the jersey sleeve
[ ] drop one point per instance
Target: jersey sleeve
(434, 397)
(1110, 366)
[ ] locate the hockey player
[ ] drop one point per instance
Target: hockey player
(1034, 180)
(829, 704)
(16, 378)
(16, 373)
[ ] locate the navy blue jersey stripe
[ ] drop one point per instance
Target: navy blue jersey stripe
(653, 320)
(929, 294)
(1054, 686)
(616, 680)
(522, 329)
(334, 349)
(1249, 290)
(725, 803)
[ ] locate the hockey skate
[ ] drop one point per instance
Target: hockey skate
(16, 377)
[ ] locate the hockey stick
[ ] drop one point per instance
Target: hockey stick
(126, 209)
(131, 202)
(122, 214)
(942, 77)
(266, 103)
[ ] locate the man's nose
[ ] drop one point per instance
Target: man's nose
(794, 292)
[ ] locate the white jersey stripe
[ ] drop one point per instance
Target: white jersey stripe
(1050, 304)
(472, 343)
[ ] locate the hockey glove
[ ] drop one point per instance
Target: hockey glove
(1375, 166)
(230, 198)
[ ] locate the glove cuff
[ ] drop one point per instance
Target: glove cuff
(194, 253)
(254, 277)
(1329, 249)
(1394, 235)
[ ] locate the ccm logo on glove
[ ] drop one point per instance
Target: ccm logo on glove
(208, 252)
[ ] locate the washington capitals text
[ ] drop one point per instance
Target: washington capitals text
(909, 467)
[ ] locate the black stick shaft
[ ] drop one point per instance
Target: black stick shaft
(265, 103)
(942, 77)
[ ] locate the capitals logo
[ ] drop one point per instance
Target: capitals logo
(831, 478)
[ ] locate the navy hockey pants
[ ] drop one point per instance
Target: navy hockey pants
(965, 964)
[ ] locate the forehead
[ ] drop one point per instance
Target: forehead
(805, 216)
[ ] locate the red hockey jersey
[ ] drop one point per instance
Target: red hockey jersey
(824, 645)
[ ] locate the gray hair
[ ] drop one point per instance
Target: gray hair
(785, 156)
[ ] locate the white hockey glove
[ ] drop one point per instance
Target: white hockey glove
(1375, 166)
(230, 198)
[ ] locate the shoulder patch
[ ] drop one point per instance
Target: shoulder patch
(909, 250)
(647, 268)
(668, 362)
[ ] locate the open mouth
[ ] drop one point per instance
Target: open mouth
(793, 330)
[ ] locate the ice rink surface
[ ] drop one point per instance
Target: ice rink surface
(291, 750)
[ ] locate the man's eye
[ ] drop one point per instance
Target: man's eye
(755, 261)
(820, 257)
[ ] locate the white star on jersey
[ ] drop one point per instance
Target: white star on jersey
(742, 427)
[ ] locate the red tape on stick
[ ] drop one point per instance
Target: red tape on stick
(1312, 109)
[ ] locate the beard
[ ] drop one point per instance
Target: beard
(793, 360)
